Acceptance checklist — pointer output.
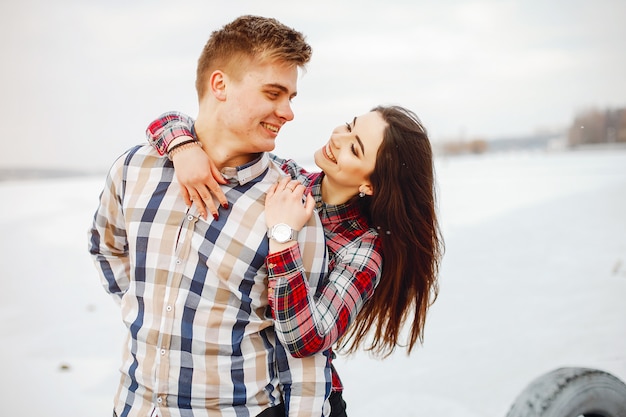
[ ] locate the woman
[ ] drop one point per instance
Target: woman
(376, 199)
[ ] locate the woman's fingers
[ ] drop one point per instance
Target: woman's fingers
(186, 196)
(293, 184)
(210, 206)
(285, 190)
(282, 184)
(200, 181)
(309, 204)
(271, 191)
(299, 190)
(203, 200)
(198, 201)
(214, 186)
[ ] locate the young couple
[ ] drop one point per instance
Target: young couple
(223, 320)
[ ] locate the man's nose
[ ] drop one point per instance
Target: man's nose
(284, 111)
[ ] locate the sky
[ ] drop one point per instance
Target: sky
(81, 80)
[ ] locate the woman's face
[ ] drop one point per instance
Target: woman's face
(349, 157)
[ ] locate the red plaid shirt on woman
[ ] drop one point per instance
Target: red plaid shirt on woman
(309, 321)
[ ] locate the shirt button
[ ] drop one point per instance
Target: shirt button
(168, 308)
(178, 261)
(190, 217)
(162, 352)
(159, 400)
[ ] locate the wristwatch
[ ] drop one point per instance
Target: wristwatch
(282, 233)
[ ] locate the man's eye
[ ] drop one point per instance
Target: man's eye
(348, 127)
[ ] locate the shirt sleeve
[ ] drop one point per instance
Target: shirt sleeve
(306, 381)
(169, 126)
(108, 244)
(309, 321)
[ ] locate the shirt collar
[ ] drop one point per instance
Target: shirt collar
(243, 174)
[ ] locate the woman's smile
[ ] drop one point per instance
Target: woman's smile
(328, 153)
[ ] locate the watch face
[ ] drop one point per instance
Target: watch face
(281, 233)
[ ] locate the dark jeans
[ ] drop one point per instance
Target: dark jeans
(337, 407)
(276, 411)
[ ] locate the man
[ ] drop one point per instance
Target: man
(193, 292)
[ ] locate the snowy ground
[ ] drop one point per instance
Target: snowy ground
(534, 278)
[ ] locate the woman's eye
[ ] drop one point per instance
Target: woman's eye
(348, 127)
(353, 150)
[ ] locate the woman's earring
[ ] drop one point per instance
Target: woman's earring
(361, 194)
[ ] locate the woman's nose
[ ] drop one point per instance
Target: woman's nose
(339, 138)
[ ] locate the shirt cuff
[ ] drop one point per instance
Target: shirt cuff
(285, 262)
(162, 131)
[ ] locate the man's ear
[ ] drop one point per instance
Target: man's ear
(217, 84)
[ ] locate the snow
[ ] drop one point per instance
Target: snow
(534, 278)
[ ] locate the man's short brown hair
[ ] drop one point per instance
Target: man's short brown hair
(250, 38)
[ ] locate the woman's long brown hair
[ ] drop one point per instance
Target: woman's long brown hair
(403, 210)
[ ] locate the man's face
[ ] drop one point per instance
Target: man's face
(258, 104)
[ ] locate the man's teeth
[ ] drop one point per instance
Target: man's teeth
(270, 127)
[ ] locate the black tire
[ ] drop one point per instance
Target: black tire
(572, 392)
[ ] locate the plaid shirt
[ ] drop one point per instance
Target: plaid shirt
(308, 323)
(310, 320)
(193, 294)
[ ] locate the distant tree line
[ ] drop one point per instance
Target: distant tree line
(459, 147)
(596, 126)
(588, 127)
